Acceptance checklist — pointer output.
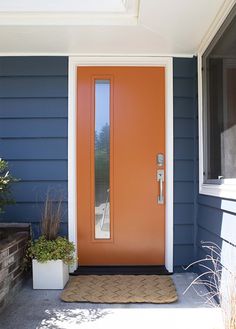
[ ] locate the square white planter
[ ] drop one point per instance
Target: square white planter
(53, 274)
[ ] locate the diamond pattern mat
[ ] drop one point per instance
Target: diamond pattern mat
(158, 289)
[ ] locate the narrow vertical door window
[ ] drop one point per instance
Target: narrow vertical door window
(102, 159)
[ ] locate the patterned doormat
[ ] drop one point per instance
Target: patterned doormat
(157, 289)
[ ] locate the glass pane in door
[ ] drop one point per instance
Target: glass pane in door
(102, 159)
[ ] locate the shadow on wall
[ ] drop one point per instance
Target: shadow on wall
(32, 212)
(217, 227)
(216, 221)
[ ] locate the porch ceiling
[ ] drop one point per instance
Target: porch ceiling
(153, 27)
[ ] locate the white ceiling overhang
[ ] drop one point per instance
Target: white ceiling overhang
(68, 12)
(81, 6)
(73, 27)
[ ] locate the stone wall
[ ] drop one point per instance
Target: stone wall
(12, 249)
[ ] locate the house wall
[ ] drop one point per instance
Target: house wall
(198, 218)
(33, 132)
(185, 159)
(216, 221)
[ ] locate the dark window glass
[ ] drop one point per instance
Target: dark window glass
(219, 96)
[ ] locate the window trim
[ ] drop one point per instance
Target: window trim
(225, 188)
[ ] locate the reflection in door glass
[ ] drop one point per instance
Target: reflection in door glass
(102, 159)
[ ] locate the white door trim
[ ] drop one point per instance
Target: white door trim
(166, 62)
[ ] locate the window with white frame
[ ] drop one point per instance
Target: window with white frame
(219, 107)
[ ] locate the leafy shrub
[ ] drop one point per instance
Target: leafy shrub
(44, 250)
(5, 181)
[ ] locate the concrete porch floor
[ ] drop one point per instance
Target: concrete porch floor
(41, 309)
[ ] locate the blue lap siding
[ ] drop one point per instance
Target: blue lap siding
(216, 223)
(197, 218)
(34, 138)
(33, 133)
(185, 158)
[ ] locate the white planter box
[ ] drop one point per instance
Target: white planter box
(53, 274)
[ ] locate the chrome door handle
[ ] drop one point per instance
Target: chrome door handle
(160, 179)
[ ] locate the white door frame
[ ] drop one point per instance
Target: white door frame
(167, 63)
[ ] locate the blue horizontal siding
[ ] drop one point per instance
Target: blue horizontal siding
(30, 87)
(29, 212)
(183, 108)
(184, 149)
(184, 213)
(36, 230)
(183, 234)
(184, 68)
(40, 170)
(207, 236)
(33, 66)
(33, 108)
(218, 203)
(32, 149)
(213, 219)
(183, 170)
(183, 127)
(37, 191)
(183, 192)
(183, 87)
(183, 254)
(33, 132)
(217, 224)
(33, 127)
(217, 220)
(184, 159)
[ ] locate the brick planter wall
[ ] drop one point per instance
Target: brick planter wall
(11, 273)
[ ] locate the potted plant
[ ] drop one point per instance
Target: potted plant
(51, 254)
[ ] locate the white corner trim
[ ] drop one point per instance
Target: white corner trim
(169, 131)
(200, 122)
(166, 62)
(218, 21)
(72, 173)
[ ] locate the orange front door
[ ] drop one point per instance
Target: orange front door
(129, 225)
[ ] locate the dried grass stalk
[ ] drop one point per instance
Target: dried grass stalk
(51, 218)
(220, 282)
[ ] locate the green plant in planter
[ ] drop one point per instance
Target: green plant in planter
(60, 248)
(5, 182)
(51, 246)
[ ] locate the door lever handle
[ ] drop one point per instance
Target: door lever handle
(160, 179)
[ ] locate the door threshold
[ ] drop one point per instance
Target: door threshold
(121, 270)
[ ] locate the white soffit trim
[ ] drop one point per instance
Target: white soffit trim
(215, 26)
(166, 62)
(83, 6)
(2, 54)
(70, 12)
(65, 19)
